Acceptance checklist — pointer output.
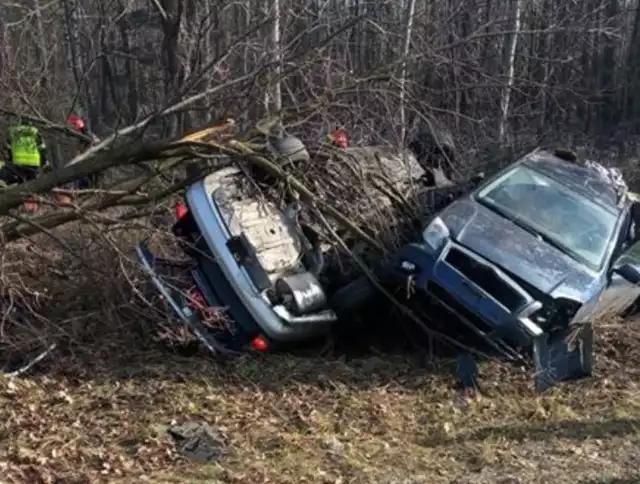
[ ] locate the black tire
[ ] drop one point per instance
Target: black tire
(349, 299)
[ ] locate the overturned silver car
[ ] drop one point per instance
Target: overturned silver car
(256, 259)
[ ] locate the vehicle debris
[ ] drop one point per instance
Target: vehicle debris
(198, 441)
(467, 372)
(21, 369)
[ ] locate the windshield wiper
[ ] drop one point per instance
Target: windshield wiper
(511, 218)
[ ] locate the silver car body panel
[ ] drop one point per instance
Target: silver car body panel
(272, 238)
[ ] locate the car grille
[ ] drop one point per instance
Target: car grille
(451, 304)
(484, 278)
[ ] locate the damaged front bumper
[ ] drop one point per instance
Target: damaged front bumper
(498, 312)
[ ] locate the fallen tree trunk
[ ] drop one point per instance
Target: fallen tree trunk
(372, 184)
(363, 201)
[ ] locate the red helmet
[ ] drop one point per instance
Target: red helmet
(76, 122)
(340, 138)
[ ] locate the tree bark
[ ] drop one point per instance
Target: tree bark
(403, 70)
(510, 57)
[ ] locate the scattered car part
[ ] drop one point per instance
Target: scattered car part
(339, 139)
(198, 441)
(467, 372)
(557, 358)
(25, 367)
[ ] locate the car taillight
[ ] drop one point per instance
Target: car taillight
(181, 211)
(260, 344)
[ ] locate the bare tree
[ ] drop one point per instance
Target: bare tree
(403, 72)
(273, 94)
(511, 43)
(545, 64)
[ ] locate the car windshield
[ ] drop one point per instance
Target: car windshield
(572, 223)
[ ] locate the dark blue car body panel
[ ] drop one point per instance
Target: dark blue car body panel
(468, 301)
(508, 246)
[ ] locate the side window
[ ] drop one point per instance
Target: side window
(635, 218)
(631, 256)
(626, 236)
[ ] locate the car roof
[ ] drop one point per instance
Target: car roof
(585, 181)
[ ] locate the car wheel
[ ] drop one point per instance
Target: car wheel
(349, 299)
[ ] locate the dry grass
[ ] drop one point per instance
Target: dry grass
(99, 413)
(376, 420)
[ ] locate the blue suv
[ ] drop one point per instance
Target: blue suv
(530, 259)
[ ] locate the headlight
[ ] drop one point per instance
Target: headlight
(436, 234)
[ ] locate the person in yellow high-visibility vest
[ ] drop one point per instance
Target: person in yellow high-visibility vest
(26, 156)
(26, 152)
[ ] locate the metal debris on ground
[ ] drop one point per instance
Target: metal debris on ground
(467, 372)
(198, 441)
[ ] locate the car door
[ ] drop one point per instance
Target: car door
(622, 289)
(624, 286)
(568, 354)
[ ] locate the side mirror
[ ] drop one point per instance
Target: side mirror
(628, 272)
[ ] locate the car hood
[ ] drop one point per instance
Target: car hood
(518, 252)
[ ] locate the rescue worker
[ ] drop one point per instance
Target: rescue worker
(339, 139)
(25, 151)
(77, 123)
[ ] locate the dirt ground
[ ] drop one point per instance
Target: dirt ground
(103, 414)
(382, 419)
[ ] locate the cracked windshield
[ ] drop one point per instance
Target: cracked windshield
(570, 222)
